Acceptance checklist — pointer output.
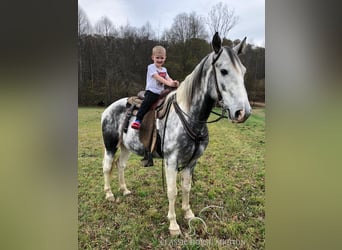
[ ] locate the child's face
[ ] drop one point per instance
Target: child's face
(159, 59)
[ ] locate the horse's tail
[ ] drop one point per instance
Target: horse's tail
(111, 120)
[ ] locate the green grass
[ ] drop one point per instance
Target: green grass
(230, 175)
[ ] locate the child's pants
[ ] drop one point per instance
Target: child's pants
(149, 99)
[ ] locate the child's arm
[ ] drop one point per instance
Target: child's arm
(168, 81)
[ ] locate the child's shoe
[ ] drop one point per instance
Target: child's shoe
(136, 124)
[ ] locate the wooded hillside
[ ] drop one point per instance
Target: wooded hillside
(113, 61)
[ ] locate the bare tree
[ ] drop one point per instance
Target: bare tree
(146, 31)
(128, 31)
(186, 26)
(196, 26)
(221, 19)
(105, 27)
(84, 26)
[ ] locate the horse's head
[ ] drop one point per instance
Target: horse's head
(228, 79)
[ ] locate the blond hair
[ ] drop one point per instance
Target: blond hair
(158, 50)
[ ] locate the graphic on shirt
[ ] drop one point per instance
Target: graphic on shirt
(162, 74)
(153, 84)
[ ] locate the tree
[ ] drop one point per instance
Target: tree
(146, 31)
(184, 56)
(128, 31)
(112, 67)
(105, 27)
(84, 26)
(221, 19)
(196, 27)
(186, 26)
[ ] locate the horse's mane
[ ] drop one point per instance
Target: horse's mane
(186, 89)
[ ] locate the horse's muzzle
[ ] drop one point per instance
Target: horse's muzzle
(239, 115)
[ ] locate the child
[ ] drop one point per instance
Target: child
(156, 78)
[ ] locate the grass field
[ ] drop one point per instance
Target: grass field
(228, 194)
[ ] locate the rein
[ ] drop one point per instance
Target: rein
(191, 133)
(202, 122)
(220, 116)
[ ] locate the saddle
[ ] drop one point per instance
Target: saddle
(147, 133)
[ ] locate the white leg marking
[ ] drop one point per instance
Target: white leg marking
(186, 187)
(121, 164)
(107, 169)
(171, 179)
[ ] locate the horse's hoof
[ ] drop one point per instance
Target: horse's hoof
(189, 215)
(110, 197)
(174, 233)
(126, 192)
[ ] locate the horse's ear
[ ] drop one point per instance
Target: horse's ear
(240, 48)
(216, 43)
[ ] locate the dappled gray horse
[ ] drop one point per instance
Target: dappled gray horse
(218, 77)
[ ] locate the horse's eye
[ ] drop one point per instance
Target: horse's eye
(224, 72)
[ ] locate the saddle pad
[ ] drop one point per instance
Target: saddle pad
(134, 100)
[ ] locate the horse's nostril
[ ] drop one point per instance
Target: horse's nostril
(238, 114)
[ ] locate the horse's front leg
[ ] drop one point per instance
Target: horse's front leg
(186, 187)
(171, 180)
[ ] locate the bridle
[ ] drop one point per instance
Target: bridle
(219, 95)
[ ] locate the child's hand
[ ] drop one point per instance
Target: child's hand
(176, 83)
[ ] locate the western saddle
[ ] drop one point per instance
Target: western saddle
(148, 132)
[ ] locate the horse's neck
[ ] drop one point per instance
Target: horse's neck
(202, 103)
(201, 107)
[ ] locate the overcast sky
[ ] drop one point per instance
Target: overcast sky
(160, 14)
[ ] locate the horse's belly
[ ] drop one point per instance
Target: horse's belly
(131, 141)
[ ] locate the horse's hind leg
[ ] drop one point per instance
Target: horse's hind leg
(186, 187)
(107, 171)
(121, 164)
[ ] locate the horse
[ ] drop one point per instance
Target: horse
(218, 77)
